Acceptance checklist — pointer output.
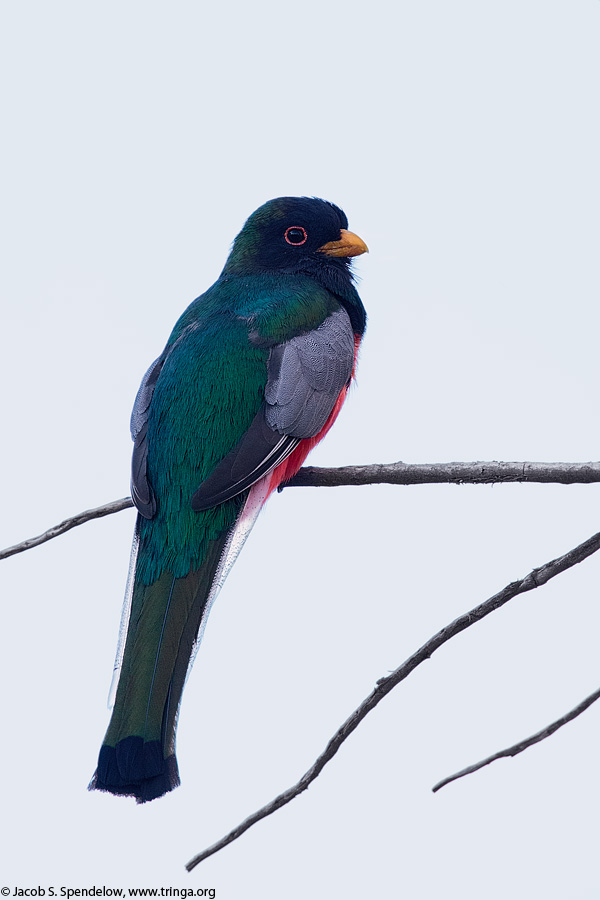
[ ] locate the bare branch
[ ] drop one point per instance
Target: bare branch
(56, 530)
(449, 473)
(535, 579)
(524, 744)
(392, 473)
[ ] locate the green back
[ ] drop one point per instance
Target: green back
(203, 403)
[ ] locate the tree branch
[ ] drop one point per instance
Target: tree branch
(449, 473)
(525, 743)
(392, 473)
(536, 578)
(88, 514)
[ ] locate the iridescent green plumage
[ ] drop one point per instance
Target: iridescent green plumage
(210, 388)
(203, 398)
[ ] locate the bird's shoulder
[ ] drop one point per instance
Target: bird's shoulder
(264, 309)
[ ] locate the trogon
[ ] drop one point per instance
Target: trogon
(252, 377)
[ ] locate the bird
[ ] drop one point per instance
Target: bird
(251, 379)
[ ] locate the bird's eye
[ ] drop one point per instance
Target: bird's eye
(296, 235)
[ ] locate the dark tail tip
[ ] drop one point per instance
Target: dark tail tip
(135, 768)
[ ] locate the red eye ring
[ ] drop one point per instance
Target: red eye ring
(292, 238)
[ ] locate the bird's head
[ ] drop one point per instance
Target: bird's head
(294, 234)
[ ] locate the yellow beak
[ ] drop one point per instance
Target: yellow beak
(349, 245)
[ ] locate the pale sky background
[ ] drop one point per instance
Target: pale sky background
(463, 141)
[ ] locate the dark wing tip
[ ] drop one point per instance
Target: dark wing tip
(259, 451)
(141, 490)
(145, 505)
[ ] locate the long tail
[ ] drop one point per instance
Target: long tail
(166, 623)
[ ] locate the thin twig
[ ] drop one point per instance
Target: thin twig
(536, 578)
(79, 519)
(524, 744)
(392, 473)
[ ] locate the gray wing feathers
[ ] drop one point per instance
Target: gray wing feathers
(304, 379)
(306, 375)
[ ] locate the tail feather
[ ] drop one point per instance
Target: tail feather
(138, 755)
(135, 768)
(166, 621)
